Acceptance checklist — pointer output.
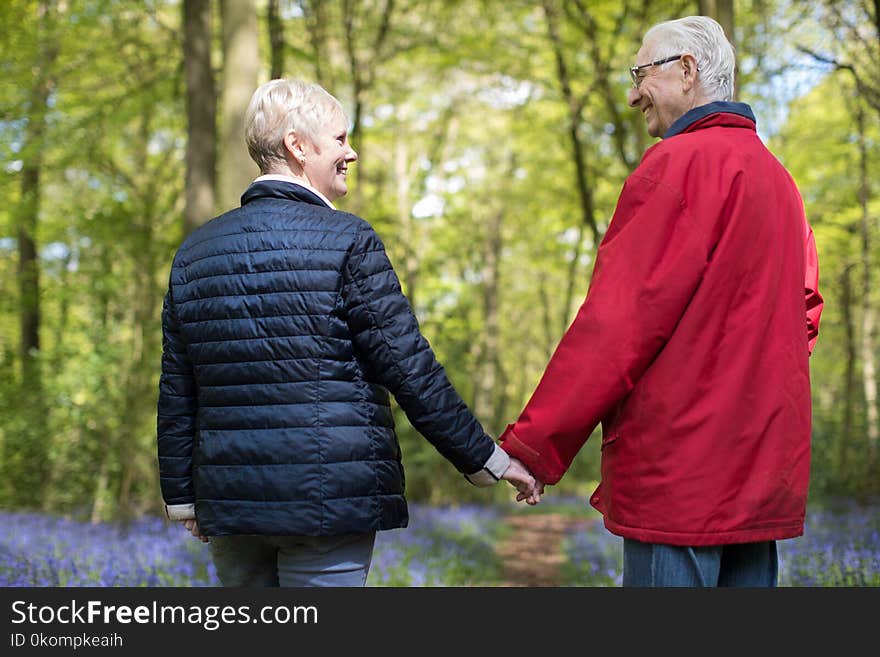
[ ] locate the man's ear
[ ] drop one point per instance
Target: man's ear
(689, 72)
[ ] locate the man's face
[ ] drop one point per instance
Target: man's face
(660, 95)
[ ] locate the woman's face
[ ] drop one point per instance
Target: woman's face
(327, 157)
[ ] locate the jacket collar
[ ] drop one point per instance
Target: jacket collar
(691, 117)
(280, 189)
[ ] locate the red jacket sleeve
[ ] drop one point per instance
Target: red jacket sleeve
(647, 268)
(814, 301)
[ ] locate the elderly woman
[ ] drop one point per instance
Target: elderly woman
(284, 330)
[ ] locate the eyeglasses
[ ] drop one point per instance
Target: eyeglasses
(634, 71)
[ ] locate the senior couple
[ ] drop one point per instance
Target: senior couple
(285, 330)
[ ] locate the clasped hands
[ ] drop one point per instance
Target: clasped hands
(528, 486)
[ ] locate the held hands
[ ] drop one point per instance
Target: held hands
(532, 499)
(193, 528)
(530, 489)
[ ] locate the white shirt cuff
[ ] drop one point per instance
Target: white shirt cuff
(180, 511)
(492, 471)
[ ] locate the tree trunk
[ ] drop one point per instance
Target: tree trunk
(29, 266)
(403, 180)
(276, 39)
(241, 61)
(876, 19)
(582, 174)
(102, 437)
(550, 335)
(356, 75)
(29, 209)
(201, 114)
(849, 384)
(144, 309)
(362, 71)
(30, 449)
(609, 91)
(64, 299)
(722, 11)
(315, 15)
(486, 403)
(869, 318)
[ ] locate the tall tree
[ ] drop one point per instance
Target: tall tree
(488, 397)
(276, 39)
(856, 52)
(831, 167)
(363, 61)
(857, 46)
(363, 65)
(26, 452)
(603, 60)
(317, 27)
(868, 229)
(201, 111)
(241, 67)
(722, 11)
(29, 210)
(583, 182)
(849, 378)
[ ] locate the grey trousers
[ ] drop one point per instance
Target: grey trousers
(293, 561)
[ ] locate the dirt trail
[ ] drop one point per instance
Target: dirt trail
(532, 554)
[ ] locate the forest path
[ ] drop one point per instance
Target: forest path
(532, 554)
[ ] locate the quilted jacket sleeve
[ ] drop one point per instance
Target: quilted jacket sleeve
(176, 424)
(387, 336)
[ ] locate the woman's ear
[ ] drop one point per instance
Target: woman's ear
(294, 147)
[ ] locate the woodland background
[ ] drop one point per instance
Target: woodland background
(493, 137)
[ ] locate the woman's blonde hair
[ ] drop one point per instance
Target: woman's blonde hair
(279, 107)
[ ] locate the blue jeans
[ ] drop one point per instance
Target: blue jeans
(743, 564)
(293, 561)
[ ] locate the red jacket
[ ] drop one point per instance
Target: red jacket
(691, 348)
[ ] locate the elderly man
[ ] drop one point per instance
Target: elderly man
(692, 346)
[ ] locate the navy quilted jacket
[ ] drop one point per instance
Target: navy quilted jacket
(284, 330)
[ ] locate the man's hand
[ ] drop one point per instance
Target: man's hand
(193, 528)
(530, 489)
(536, 497)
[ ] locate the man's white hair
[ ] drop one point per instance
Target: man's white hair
(703, 38)
(279, 107)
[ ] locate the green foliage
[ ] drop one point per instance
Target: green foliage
(466, 156)
(819, 146)
(108, 189)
